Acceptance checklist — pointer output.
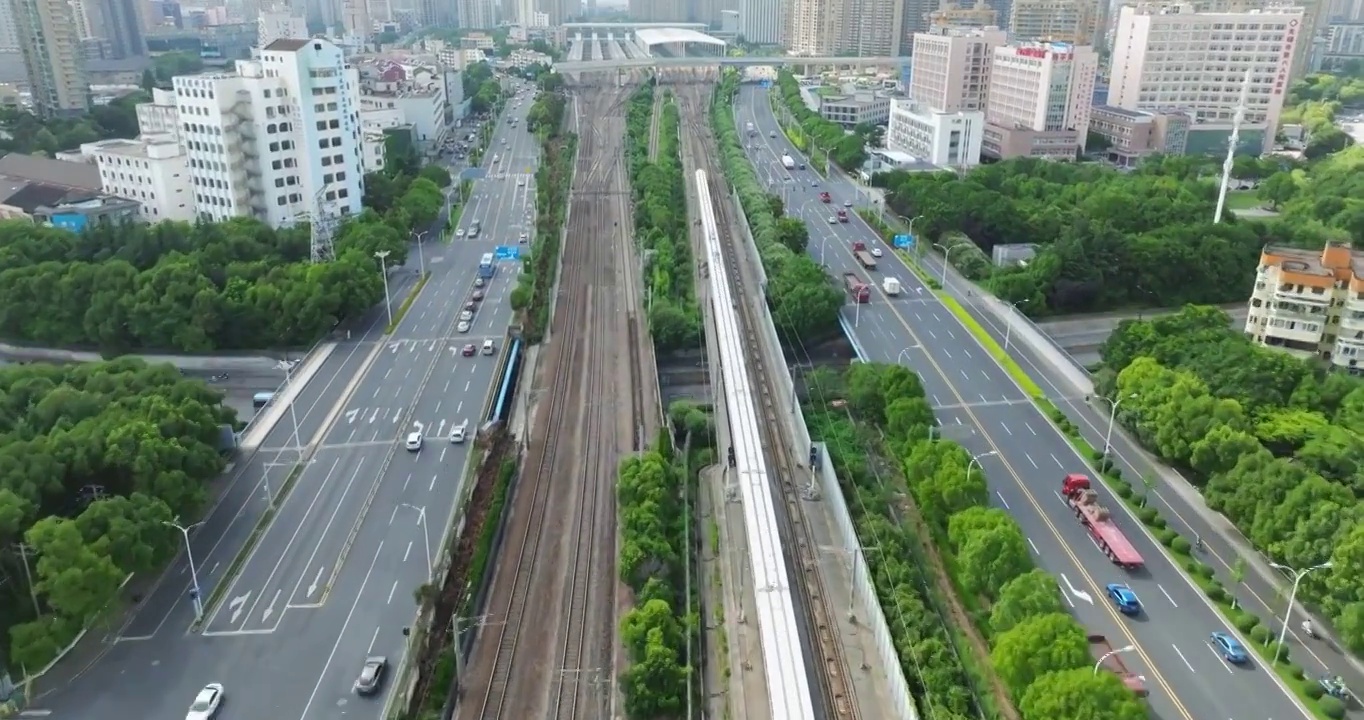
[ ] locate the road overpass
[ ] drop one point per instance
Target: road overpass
(610, 26)
(701, 62)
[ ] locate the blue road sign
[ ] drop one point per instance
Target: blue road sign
(904, 241)
(506, 252)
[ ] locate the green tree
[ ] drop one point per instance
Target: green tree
(655, 684)
(1080, 694)
(76, 581)
(990, 558)
(1037, 646)
(1032, 594)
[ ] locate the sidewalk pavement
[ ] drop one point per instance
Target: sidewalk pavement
(1070, 387)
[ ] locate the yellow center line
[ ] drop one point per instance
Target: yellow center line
(1065, 547)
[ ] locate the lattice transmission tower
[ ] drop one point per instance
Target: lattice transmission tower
(324, 221)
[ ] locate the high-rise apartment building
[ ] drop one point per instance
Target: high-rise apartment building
(1039, 100)
(951, 70)
(915, 18)
(1170, 57)
(1069, 21)
(760, 21)
(871, 28)
(658, 11)
(1310, 304)
(950, 15)
(356, 19)
(281, 25)
(813, 28)
(49, 38)
(124, 28)
(278, 140)
(478, 14)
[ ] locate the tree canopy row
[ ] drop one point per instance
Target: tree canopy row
(814, 134)
(654, 533)
(231, 285)
(1106, 239)
(94, 460)
(1314, 102)
(660, 219)
(802, 298)
(532, 295)
(1273, 442)
(28, 134)
(1038, 655)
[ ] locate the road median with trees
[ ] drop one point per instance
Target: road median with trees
(1004, 646)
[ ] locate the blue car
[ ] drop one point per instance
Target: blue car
(1123, 597)
(1229, 648)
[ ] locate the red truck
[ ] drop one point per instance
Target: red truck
(1080, 495)
(859, 245)
(843, 216)
(824, 197)
(1111, 661)
(866, 259)
(859, 290)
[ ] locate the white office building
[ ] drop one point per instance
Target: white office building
(279, 139)
(1039, 101)
(275, 25)
(942, 138)
(152, 170)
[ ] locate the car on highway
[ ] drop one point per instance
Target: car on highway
(459, 232)
(466, 315)
(457, 433)
(414, 440)
(876, 252)
(468, 350)
(371, 675)
(476, 296)
(847, 203)
(478, 282)
(1229, 648)
(206, 703)
(771, 133)
(1123, 598)
(522, 239)
(520, 182)
(471, 306)
(488, 347)
(463, 326)
(814, 183)
(833, 220)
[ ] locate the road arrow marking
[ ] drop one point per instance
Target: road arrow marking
(1081, 594)
(270, 610)
(374, 414)
(238, 604)
(393, 346)
(417, 425)
(312, 589)
(350, 415)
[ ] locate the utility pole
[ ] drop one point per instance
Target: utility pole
(24, 551)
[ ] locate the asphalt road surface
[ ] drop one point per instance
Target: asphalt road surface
(979, 406)
(332, 579)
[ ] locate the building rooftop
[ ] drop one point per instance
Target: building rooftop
(38, 169)
(287, 45)
(1123, 112)
(1333, 262)
(666, 36)
(38, 195)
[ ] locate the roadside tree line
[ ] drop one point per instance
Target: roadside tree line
(654, 529)
(803, 300)
(1039, 664)
(1273, 442)
(847, 150)
(97, 457)
(1322, 199)
(545, 119)
(660, 222)
(481, 87)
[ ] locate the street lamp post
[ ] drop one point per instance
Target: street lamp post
(1292, 597)
(1111, 653)
(903, 353)
(383, 272)
(195, 593)
(1112, 415)
(1009, 326)
(421, 254)
(426, 536)
(293, 416)
(975, 461)
(946, 257)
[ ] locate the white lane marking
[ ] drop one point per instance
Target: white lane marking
(432, 486)
(1065, 595)
(391, 591)
(1220, 660)
(344, 624)
(1187, 664)
(1034, 547)
(1002, 501)
(1006, 427)
(1167, 595)
(1034, 462)
(1029, 426)
(408, 551)
(1057, 461)
(372, 640)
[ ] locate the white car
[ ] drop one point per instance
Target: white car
(463, 326)
(459, 232)
(833, 220)
(457, 434)
(466, 315)
(520, 182)
(206, 703)
(876, 252)
(414, 440)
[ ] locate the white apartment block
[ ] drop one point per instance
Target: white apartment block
(161, 116)
(478, 14)
(152, 170)
(279, 139)
(812, 28)
(1072, 21)
(373, 139)
(945, 139)
(1039, 100)
(276, 25)
(419, 93)
(951, 69)
(1169, 57)
(760, 21)
(1310, 304)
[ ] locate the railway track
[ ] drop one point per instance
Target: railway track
(834, 680)
(549, 659)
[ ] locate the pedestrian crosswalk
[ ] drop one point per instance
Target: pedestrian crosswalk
(384, 423)
(452, 345)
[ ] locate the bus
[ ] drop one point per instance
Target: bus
(485, 266)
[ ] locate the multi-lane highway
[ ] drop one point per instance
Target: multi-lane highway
(332, 579)
(980, 406)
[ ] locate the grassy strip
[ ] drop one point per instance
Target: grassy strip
(1180, 550)
(220, 589)
(407, 304)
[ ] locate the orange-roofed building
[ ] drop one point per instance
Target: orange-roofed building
(1310, 303)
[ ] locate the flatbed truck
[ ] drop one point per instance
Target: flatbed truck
(1083, 500)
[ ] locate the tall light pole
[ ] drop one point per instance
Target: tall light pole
(383, 272)
(1292, 597)
(1112, 415)
(903, 353)
(975, 461)
(1009, 326)
(195, 593)
(946, 260)
(426, 537)
(293, 416)
(421, 254)
(1111, 653)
